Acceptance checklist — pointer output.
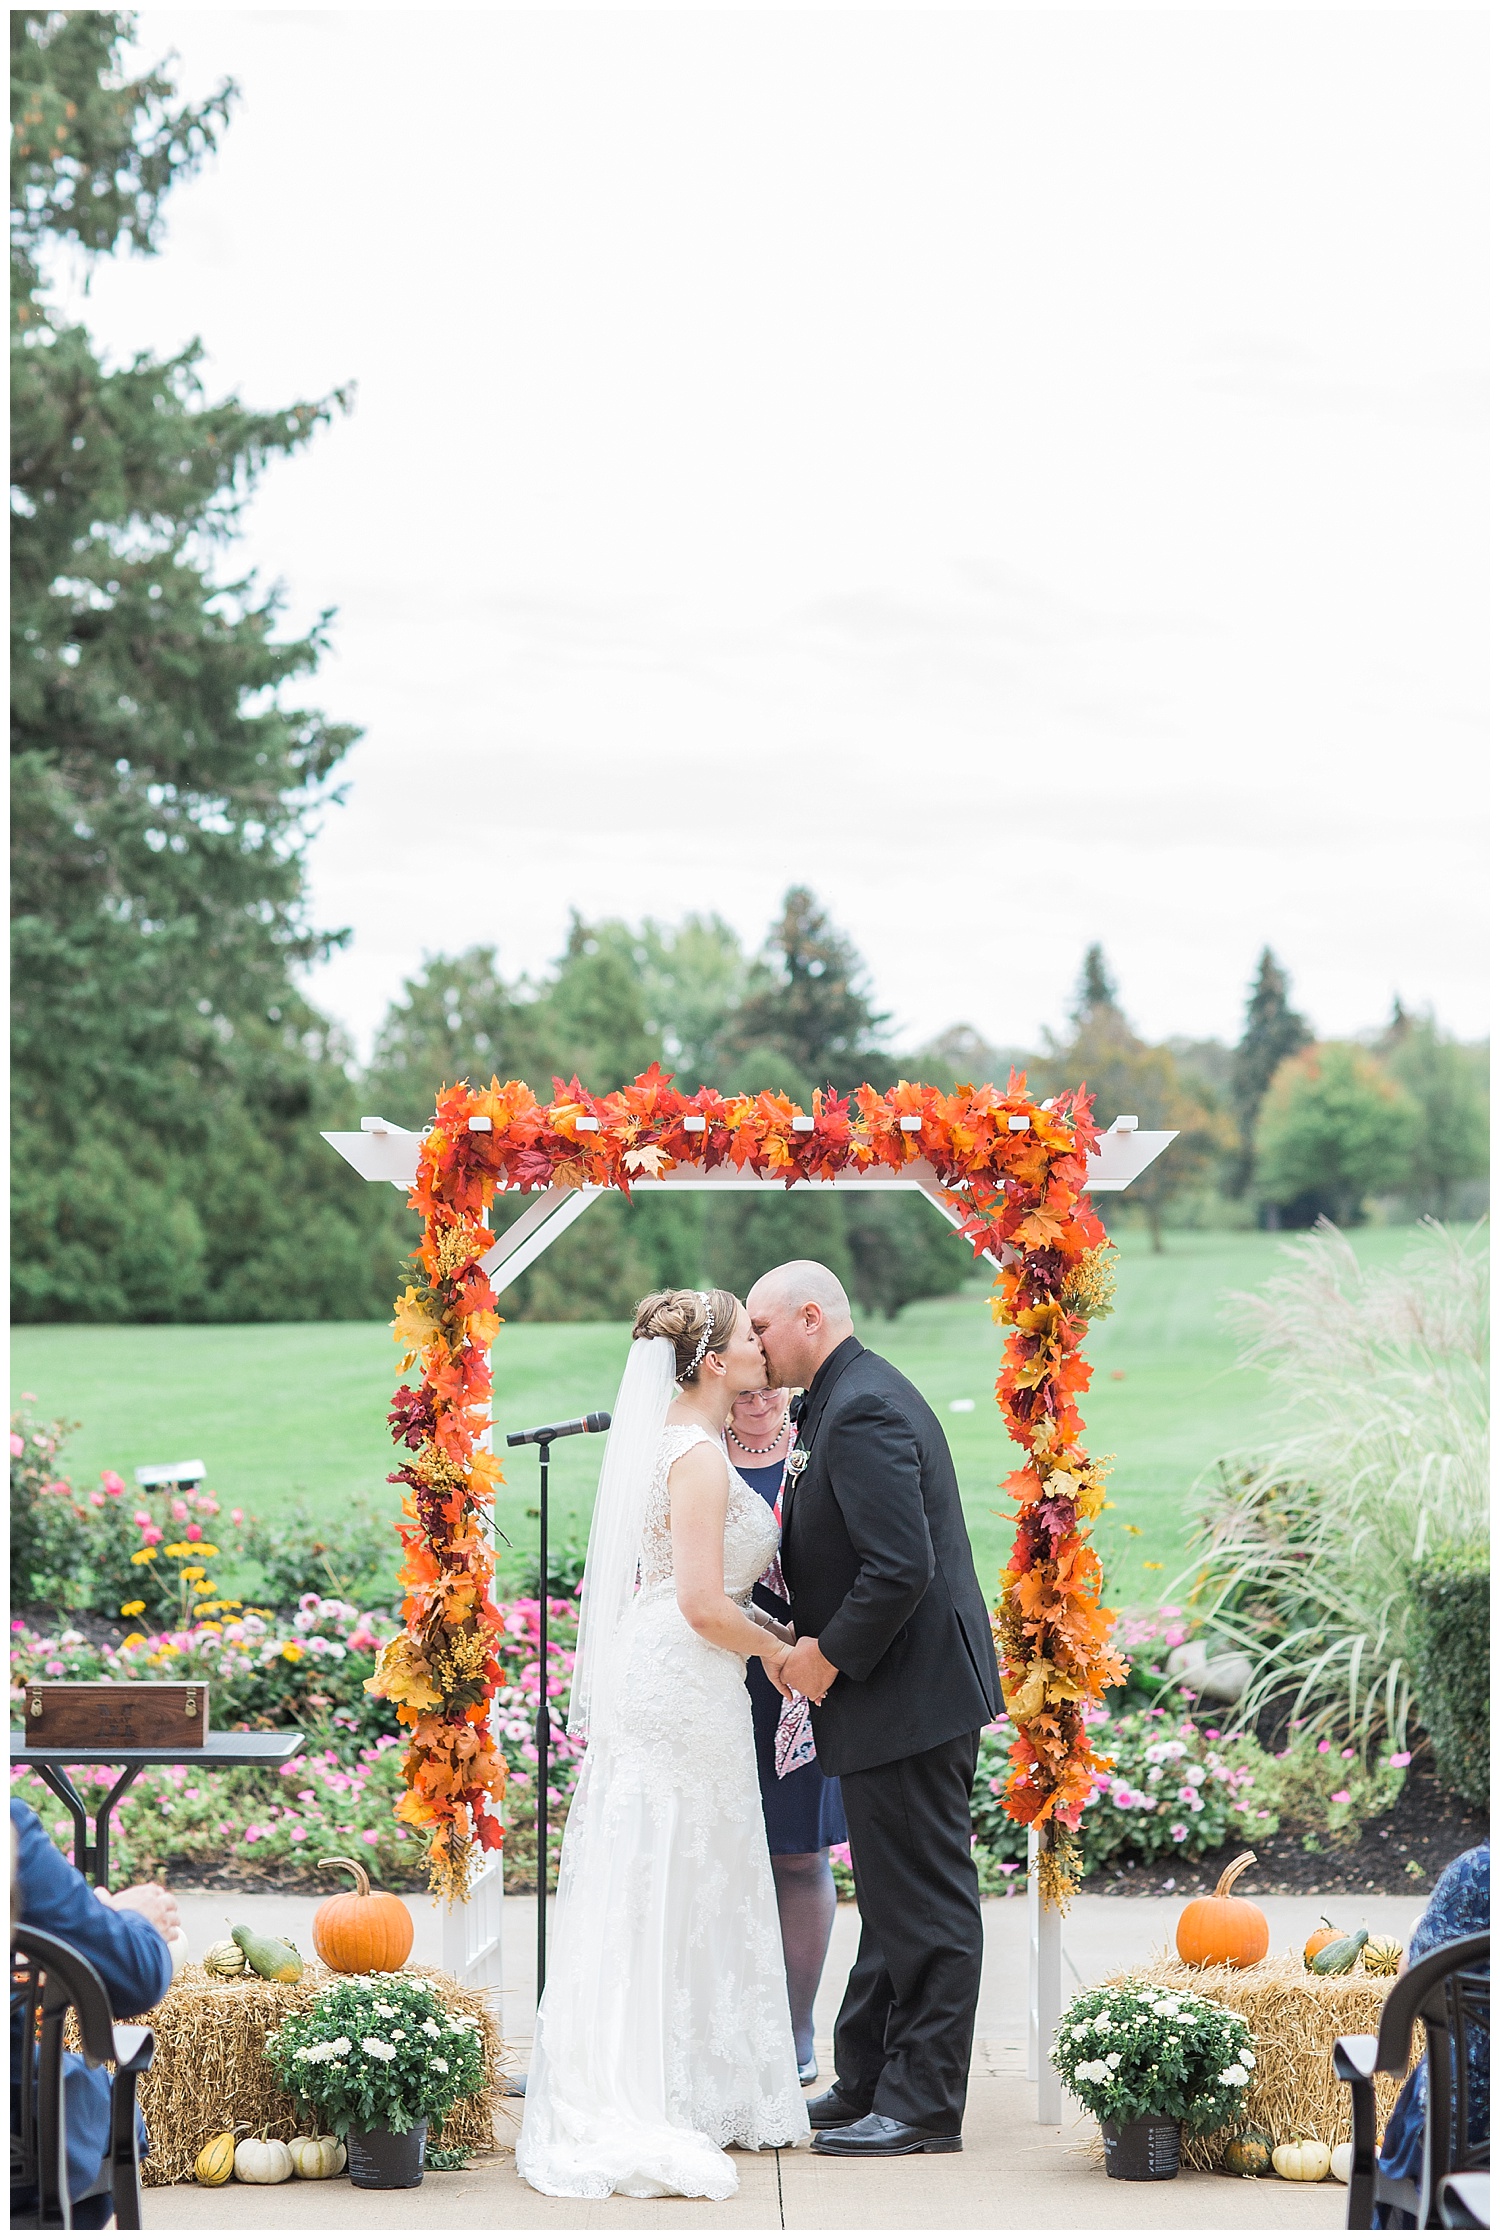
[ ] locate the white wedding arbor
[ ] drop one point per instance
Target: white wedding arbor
(382, 1152)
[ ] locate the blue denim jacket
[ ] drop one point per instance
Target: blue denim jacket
(1459, 1907)
(132, 1961)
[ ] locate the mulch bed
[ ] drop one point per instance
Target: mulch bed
(1425, 1829)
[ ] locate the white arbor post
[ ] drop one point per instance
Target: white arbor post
(383, 1153)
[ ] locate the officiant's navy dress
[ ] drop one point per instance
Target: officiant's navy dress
(805, 1812)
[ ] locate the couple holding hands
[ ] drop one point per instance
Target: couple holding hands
(664, 2035)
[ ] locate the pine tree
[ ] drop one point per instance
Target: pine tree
(810, 998)
(1273, 1031)
(1096, 986)
(169, 1080)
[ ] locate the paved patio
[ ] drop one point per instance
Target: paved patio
(1014, 2175)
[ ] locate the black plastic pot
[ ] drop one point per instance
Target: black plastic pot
(1151, 2147)
(386, 2159)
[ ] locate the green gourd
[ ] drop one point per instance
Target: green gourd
(270, 1957)
(1338, 1959)
(1248, 2154)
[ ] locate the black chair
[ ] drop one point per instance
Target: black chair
(48, 1980)
(1448, 1992)
(1463, 2201)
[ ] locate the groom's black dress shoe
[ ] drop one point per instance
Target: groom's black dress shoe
(830, 2110)
(878, 2135)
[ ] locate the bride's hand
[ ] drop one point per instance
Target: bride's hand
(773, 1657)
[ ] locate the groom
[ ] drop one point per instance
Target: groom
(894, 1650)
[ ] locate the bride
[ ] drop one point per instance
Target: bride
(663, 2035)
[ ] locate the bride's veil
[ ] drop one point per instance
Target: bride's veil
(609, 1571)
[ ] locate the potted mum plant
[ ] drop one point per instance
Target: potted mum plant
(1148, 2061)
(377, 2058)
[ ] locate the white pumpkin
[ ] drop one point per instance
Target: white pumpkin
(321, 2157)
(1305, 2161)
(262, 2162)
(1341, 2161)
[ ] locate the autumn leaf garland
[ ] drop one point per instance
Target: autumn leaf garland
(1014, 1172)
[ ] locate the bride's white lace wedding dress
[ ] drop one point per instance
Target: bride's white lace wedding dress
(664, 2035)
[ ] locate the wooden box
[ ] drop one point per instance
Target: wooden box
(116, 1714)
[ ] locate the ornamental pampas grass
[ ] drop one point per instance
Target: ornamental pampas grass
(211, 2071)
(1295, 2016)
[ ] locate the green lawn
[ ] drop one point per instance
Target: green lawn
(292, 1415)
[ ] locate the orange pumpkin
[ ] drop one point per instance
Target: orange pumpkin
(362, 1931)
(1315, 1943)
(1224, 1931)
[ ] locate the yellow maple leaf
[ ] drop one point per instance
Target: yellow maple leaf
(415, 1325)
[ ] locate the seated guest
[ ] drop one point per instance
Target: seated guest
(124, 1938)
(1459, 1907)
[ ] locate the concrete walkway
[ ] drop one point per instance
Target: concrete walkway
(1012, 2177)
(1014, 2174)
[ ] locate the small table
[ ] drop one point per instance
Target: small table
(223, 1748)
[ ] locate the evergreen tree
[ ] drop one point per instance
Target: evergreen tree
(1273, 1032)
(809, 998)
(1096, 986)
(168, 1079)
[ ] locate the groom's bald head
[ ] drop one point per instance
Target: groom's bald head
(800, 1312)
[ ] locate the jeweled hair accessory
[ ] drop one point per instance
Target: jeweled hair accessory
(708, 1305)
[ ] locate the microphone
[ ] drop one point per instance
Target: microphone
(545, 1433)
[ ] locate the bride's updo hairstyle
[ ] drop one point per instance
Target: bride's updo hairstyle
(697, 1322)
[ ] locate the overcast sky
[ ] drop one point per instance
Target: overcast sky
(1019, 473)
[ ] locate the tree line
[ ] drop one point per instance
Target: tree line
(170, 1077)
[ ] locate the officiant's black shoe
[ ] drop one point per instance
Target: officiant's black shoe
(831, 2109)
(882, 2135)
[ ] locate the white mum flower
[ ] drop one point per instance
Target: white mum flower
(398, 2035)
(439, 2064)
(377, 2049)
(1248, 2058)
(430, 2029)
(1234, 2074)
(382, 2008)
(1113, 2060)
(340, 2045)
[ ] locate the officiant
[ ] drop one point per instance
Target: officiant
(804, 1812)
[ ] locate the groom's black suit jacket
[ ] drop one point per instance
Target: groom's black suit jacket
(877, 1562)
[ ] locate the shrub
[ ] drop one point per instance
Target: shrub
(105, 1552)
(1173, 1788)
(356, 1559)
(307, 1673)
(1451, 1613)
(1311, 1549)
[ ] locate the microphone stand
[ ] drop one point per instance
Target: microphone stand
(541, 1438)
(543, 1738)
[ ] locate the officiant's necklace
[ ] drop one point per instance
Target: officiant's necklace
(774, 1441)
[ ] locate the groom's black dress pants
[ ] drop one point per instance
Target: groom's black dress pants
(906, 2028)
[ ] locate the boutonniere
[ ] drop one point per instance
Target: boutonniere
(796, 1462)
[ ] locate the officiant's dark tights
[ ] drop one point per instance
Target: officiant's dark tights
(807, 1902)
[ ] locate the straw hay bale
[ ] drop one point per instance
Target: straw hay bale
(1295, 2016)
(211, 2071)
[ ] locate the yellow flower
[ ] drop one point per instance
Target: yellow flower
(206, 1609)
(209, 1626)
(131, 1609)
(179, 1548)
(231, 1602)
(206, 1549)
(135, 1640)
(191, 1570)
(292, 1651)
(144, 1555)
(208, 1587)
